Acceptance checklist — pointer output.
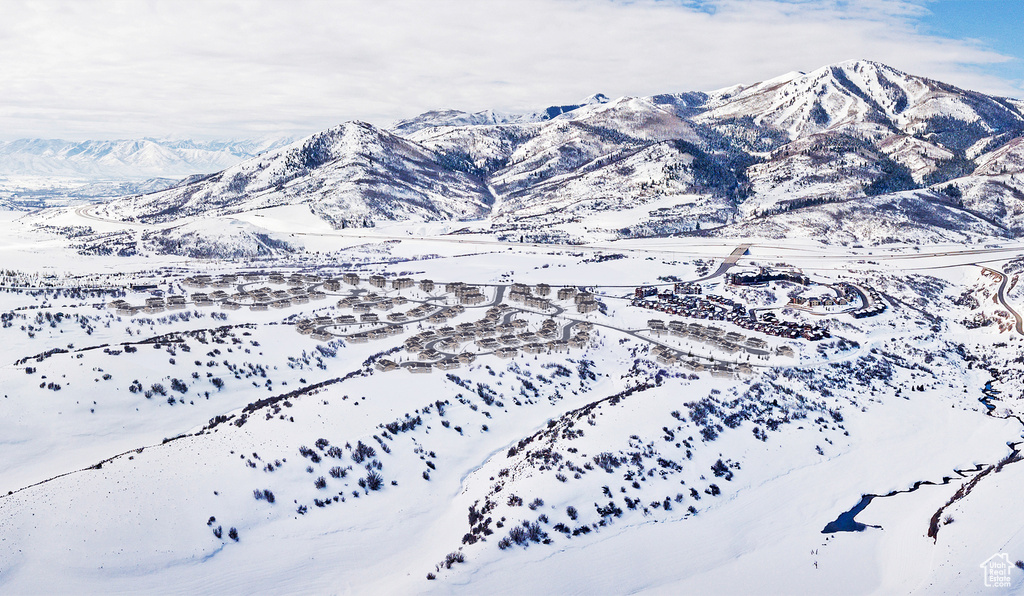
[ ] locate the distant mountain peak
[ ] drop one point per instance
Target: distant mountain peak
(125, 159)
(595, 98)
(438, 118)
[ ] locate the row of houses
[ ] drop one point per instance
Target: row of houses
(401, 283)
(261, 297)
(701, 308)
(446, 313)
(378, 333)
(465, 332)
(694, 307)
(680, 289)
(874, 307)
(157, 305)
(445, 364)
(203, 281)
(729, 342)
(363, 304)
(227, 279)
(764, 276)
(469, 295)
(529, 300)
(815, 302)
(503, 339)
(449, 363)
(671, 357)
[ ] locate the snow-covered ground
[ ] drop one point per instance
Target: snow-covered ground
(134, 443)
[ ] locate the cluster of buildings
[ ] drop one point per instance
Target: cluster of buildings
(439, 348)
(718, 308)
(258, 299)
(872, 303)
(680, 289)
(710, 307)
(264, 297)
(875, 305)
(300, 292)
(370, 302)
(152, 306)
(465, 294)
(443, 347)
(228, 279)
(729, 342)
(672, 357)
(846, 294)
(207, 281)
(585, 301)
(816, 302)
(764, 276)
(523, 293)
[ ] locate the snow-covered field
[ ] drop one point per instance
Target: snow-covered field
(206, 449)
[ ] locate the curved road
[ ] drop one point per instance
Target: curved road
(1001, 295)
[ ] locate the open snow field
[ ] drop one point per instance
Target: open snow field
(264, 442)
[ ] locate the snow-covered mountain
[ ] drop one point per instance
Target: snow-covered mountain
(868, 97)
(436, 118)
(349, 175)
(673, 163)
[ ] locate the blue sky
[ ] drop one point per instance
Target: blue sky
(103, 69)
(996, 24)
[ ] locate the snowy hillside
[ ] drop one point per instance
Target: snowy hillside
(257, 403)
(350, 175)
(671, 163)
(872, 98)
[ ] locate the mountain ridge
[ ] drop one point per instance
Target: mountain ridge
(845, 132)
(126, 159)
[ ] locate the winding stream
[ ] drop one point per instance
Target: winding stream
(847, 521)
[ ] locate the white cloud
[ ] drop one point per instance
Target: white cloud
(202, 69)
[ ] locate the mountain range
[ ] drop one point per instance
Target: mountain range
(127, 160)
(852, 152)
(37, 173)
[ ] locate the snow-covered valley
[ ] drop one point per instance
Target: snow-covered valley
(592, 413)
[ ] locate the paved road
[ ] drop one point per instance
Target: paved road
(1001, 295)
(729, 261)
(85, 212)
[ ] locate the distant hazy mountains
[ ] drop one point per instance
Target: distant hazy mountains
(852, 152)
(126, 159)
(41, 169)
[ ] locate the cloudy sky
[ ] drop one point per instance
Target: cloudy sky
(219, 69)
